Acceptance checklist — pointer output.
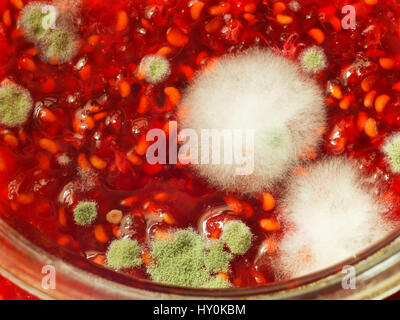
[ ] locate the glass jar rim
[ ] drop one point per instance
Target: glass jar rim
(21, 241)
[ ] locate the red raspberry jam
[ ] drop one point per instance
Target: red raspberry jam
(85, 138)
(8, 291)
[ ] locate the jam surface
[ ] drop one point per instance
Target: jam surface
(85, 139)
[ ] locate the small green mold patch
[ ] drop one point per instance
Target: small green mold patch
(124, 253)
(391, 148)
(237, 236)
(277, 139)
(154, 68)
(313, 60)
(85, 213)
(15, 105)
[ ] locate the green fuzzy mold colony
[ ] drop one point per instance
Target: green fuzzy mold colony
(179, 260)
(237, 236)
(187, 260)
(123, 253)
(15, 105)
(217, 283)
(31, 21)
(55, 44)
(156, 68)
(392, 151)
(217, 259)
(59, 46)
(313, 60)
(85, 213)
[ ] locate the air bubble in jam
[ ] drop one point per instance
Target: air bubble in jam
(83, 135)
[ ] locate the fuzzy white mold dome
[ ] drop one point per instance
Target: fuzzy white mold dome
(255, 89)
(330, 215)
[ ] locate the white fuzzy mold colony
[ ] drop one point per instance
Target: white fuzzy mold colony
(330, 215)
(255, 89)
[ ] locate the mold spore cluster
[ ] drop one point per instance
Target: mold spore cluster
(154, 68)
(52, 28)
(185, 258)
(85, 213)
(313, 60)
(261, 91)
